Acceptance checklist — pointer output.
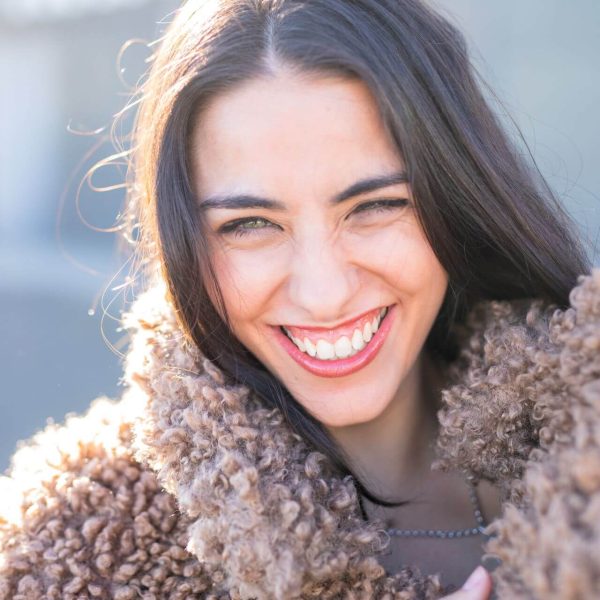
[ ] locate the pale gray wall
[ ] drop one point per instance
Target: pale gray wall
(541, 56)
(56, 72)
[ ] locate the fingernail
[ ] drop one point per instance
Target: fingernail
(476, 579)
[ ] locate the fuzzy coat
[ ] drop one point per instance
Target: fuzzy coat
(187, 487)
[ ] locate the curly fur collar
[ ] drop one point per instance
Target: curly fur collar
(271, 520)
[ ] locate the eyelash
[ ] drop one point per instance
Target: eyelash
(236, 227)
(381, 205)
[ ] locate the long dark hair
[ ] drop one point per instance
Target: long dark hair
(489, 216)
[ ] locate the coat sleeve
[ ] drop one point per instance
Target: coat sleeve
(549, 543)
(80, 518)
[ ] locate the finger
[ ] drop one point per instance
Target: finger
(477, 587)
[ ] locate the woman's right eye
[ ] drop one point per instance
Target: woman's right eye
(245, 226)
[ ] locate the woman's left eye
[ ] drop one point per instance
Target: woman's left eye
(382, 205)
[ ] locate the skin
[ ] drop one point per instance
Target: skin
(301, 140)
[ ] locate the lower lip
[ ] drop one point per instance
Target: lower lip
(341, 366)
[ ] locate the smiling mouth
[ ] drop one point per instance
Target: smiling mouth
(337, 346)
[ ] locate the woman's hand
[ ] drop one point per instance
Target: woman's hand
(477, 587)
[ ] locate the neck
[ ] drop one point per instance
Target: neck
(393, 451)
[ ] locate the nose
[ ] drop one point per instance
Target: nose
(323, 281)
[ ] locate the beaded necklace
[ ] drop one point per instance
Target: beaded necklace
(448, 533)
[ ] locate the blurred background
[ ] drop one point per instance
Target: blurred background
(62, 78)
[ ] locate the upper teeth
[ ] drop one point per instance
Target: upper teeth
(343, 347)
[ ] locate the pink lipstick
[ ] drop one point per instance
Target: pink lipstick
(341, 366)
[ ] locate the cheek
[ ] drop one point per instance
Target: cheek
(402, 256)
(247, 280)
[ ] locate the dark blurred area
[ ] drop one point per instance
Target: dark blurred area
(63, 77)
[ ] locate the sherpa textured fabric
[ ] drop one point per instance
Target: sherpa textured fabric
(187, 487)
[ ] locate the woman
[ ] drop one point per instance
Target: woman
(368, 351)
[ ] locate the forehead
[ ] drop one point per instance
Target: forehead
(287, 133)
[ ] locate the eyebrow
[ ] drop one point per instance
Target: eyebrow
(362, 186)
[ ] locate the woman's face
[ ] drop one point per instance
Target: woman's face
(312, 228)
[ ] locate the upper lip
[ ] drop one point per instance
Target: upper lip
(343, 324)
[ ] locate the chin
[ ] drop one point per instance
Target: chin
(346, 408)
